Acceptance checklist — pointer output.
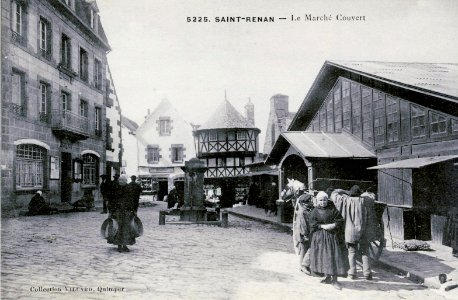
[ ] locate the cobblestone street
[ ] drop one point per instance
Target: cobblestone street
(63, 257)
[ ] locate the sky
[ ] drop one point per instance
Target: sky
(157, 54)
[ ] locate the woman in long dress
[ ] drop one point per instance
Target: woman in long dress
(122, 208)
(326, 256)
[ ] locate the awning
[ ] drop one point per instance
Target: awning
(414, 163)
(327, 145)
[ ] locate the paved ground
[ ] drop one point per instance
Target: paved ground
(249, 260)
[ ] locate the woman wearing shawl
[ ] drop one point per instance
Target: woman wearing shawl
(122, 208)
(326, 255)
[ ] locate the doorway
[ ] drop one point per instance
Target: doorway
(66, 180)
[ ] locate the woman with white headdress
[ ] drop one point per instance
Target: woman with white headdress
(326, 256)
(122, 208)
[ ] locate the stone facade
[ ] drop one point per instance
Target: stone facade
(53, 100)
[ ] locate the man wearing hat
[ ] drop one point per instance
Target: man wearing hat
(136, 190)
(104, 190)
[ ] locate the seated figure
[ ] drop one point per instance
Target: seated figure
(38, 205)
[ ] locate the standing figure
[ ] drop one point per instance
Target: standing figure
(301, 230)
(253, 194)
(325, 250)
(122, 208)
(172, 198)
(271, 199)
(104, 190)
(136, 189)
(359, 219)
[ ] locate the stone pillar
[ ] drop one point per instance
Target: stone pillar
(193, 208)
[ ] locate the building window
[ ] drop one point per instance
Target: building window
(152, 154)
(84, 61)
(177, 154)
(44, 100)
(29, 166)
(241, 135)
(19, 25)
(323, 118)
(346, 105)
(337, 109)
(367, 114)
(94, 20)
(164, 126)
(418, 121)
(379, 117)
(98, 121)
(89, 169)
(70, 3)
(329, 113)
(18, 94)
(66, 101)
(230, 135)
(98, 74)
(65, 52)
(437, 123)
(392, 119)
(212, 136)
(45, 36)
(220, 162)
(454, 126)
(84, 108)
(356, 108)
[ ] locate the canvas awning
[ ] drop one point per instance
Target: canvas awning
(414, 163)
(327, 145)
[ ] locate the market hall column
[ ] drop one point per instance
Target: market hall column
(193, 208)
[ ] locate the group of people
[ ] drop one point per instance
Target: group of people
(331, 230)
(263, 198)
(121, 201)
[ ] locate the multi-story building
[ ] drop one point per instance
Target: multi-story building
(227, 142)
(53, 95)
(165, 141)
(130, 147)
(113, 132)
(279, 119)
(393, 125)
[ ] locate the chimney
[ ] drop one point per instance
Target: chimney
(148, 113)
(249, 112)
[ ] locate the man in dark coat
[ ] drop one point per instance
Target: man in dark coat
(172, 198)
(136, 190)
(105, 190)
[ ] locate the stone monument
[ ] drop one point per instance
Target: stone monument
(193, 208)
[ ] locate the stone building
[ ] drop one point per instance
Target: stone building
(227, 142)
(279, 119)
(54, 93)
(113, 133)
(165, 142)
(390, 125)
(130, 147)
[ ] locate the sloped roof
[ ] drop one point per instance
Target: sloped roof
(226, 116)
(330, 145)
(131, 125)
(431, 85)
(437, 77)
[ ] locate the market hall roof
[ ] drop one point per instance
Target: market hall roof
(226, 116)
(319, 145)
(433, 85)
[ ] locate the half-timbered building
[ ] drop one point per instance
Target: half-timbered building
(227, 142)
(395, 124)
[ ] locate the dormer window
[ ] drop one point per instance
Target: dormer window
(94, 19)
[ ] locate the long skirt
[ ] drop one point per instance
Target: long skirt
(125, 234)
(326, 255)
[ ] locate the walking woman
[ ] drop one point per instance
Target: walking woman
(122, 208)
(326, 256)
